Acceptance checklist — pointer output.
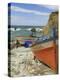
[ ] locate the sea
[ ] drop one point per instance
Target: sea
(25, 33)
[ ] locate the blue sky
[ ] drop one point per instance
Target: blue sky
(30, 14)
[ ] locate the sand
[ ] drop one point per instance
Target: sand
(23, 63)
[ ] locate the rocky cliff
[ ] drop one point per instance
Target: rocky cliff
(52, 22)
(53, 19)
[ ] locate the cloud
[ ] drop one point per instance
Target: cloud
(25, 20)
(52, 7)
(19, 9)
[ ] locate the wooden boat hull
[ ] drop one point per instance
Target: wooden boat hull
(48, 56)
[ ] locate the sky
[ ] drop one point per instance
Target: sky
(30, 14)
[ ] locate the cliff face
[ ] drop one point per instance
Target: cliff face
(53, 19)
(52, 22)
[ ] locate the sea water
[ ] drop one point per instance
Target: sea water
(24, 33)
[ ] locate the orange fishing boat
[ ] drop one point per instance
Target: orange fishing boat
(48, 55)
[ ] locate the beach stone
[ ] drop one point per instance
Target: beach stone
(24, 64)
